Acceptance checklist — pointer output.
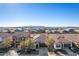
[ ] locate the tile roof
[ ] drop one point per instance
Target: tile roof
(5, 34)
(40, 38)
(62, 39)
(67, 37)
(20, 34)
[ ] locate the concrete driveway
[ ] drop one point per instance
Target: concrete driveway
(43, 51)
(70, 53)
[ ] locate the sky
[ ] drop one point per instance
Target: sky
(39, 14)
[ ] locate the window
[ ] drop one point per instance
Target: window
(58, 46)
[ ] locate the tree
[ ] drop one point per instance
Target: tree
(7, 42)
(77, 44)
(27, 43)
(49, 42)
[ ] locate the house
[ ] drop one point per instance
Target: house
(11, 30)
(63, 43)
(53, 31)
(73, 39)
(0, 30)
(76, 30)
(40, 40)
(4, 36)
(60, 31)
(18, 30)
(48, 31)
(18, 36)
(26, 29)
(5, 30)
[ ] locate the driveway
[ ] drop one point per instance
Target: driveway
(70, 53)
(11, 53)
(43, 51)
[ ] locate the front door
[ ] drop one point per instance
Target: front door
(42, 45)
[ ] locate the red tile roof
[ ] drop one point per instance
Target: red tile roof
(62, 39)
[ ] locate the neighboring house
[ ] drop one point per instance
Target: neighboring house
(53, 31)
(18, 36)
(40, 40)
(26, 30)
(60, 31)
(12, 30)
(5, 30)
(0, 30)
(76, 30)
(34, 31)
(4, 36)
(62, 43)
(72, 39)
(47, 31)
(19, 30)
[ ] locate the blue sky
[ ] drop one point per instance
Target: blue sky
(43, 14)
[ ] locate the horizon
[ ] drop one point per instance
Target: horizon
(38, 26)
(39, 14)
